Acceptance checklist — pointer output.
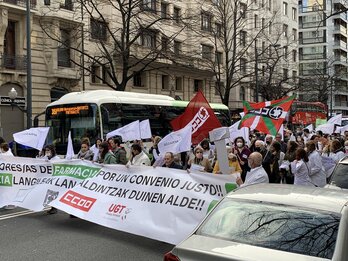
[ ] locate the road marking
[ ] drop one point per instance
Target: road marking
(18, 214)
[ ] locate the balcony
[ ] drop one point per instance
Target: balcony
(340, 44)
(21, 3)
(13, 62)
(340, 58)
(341, 104)
(340, 29)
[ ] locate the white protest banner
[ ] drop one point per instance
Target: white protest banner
(235, 132)
(145, 129)
(134, 200)
(33, 183)
(128, 132)
(70, 154)
(326, 128)
(34, 137)
(176, 141)
(336, 119)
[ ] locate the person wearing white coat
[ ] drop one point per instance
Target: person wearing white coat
(138, 158)
(317, 173)
(300, 168)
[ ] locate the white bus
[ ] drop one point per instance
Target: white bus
(95, 113)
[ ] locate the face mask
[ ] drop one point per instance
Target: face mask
(258, 149)
(239, 144)
(268, 142)
(48, 154)
(346, 147)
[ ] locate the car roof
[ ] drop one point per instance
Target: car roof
(294, 195)
(344, 160)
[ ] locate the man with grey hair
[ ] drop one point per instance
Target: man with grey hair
(257, 174)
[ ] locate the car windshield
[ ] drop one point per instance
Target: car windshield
(280, 227)
(339, 177)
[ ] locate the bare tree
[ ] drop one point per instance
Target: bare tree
(123, 37)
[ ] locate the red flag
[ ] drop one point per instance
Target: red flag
(203, 119)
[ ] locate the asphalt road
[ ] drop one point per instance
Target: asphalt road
(38, 236)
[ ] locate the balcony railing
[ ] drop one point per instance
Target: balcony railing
(14, 62)
(341, 103)
(22, 3)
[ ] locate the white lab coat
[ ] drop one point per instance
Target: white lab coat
(317, 173)
(300, 169)
(255, 176)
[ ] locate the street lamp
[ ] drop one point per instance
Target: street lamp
(13, 95)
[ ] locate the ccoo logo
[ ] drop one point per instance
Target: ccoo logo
(77, 200)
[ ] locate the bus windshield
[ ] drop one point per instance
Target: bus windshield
(81, 119)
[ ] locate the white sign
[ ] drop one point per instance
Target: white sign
(159, 203)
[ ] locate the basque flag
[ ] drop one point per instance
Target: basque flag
(266, 116)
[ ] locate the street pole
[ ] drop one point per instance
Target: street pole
(29, 85)
(83, 48)
(331, 99)
(256, 74)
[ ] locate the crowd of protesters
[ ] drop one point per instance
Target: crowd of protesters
(292, 158)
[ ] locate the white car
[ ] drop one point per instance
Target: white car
(273, 223)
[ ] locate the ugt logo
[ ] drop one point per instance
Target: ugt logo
(77, 200)
(119, 210)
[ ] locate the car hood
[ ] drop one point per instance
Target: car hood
(203, 248)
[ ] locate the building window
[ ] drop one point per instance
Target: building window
(243, 63)
(218, 28)
(165, 44)
(242, 93)
(178, 83)
(207, 52)
(165, 82)
(149, 5)
(47, 2)
(94, 73)
(294, 34)
(285, 8)
(138, 79)
(177, 47)
(206, 21)
(164, 10)
(285, 52)
(99, 74)
(294, 14)
(294, 76)
(294, 55)
(218, 57)
(176, 15)
(98, 30)
(256, 18)
(285, 30)
(148, 38)
(269, 5)
(285, 74)
(198, 85)
(243, 36)
(243, 10)
(64, 49)
(67, 5)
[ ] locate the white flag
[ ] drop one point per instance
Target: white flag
(342, 129)
(235, 132)
(128, 132)
(70, 150)
(327, 128)
(310, 127)
(281, 131)
(145, 129)
(176, 141)
(336, 119)
(34, 137)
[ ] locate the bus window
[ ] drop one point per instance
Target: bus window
(80, 119)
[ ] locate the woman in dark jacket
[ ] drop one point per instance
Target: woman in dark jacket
(242, 152)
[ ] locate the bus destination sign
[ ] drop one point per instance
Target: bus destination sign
(69, 110)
